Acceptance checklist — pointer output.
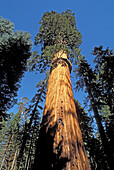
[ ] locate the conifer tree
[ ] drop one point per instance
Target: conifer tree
(59, 38)
(30, 132)
(15, 49)
(11, 136)
(92, 142)
(97, 83)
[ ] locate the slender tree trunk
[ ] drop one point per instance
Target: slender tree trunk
(4, 153)
(100, 127)
(14, 161)
(60, 140)
(12, 154)
(28, 127)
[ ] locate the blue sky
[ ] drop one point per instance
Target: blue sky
(94, 18)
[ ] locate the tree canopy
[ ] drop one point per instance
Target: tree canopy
(15, 49)
(58, 31)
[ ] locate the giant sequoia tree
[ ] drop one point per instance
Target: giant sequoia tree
(60, 141)
(14, 51)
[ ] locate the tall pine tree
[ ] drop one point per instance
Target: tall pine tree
(97, 84)
(15, 49)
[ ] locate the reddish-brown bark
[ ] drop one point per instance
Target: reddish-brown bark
(60, 141)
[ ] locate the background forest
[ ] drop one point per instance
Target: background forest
(20, 118)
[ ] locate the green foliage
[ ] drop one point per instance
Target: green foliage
(104, 70)
(93, 145)
(98, 83)
(85, 123)
(6, 27)
(10, 136)
(30, 133)
(104, 67)
(14, 51)
(84, 120)
(57, 32)
(19, 135)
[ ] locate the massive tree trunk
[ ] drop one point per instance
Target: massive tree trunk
(60, 141)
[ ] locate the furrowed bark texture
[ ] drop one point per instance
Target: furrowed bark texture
(60, 140)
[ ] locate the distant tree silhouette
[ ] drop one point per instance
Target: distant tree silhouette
(15, 49)
(99, 86)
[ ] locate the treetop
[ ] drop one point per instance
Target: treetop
(58, 31)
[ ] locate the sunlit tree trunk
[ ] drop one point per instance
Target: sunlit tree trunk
(60, 141)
